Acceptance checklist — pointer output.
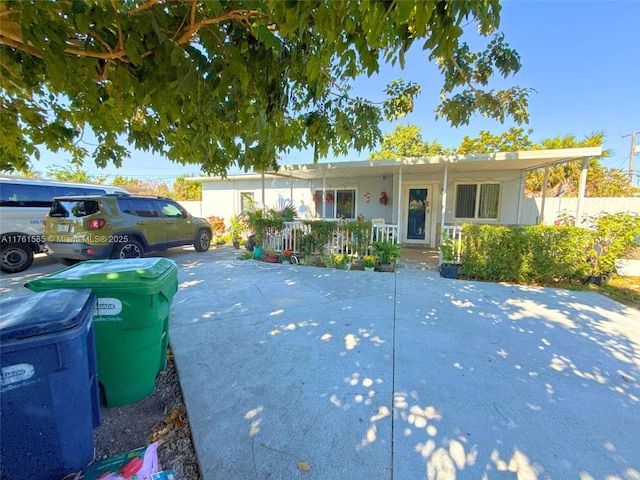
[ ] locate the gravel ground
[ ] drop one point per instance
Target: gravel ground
(160, 417)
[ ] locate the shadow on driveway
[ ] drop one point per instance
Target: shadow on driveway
(376, 376)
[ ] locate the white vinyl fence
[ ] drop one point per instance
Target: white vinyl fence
(554, 208)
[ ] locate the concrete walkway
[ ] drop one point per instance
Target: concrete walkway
(360, 375)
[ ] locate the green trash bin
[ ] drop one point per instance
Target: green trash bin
(131, 320)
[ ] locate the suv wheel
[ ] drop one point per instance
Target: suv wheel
(130, 249)
(16, 258)
(203, 241)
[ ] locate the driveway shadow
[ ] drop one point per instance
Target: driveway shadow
(358, 375)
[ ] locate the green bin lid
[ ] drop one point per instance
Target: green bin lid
(132, 274)
(42, 313)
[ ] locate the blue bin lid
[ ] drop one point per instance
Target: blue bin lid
(42, 313)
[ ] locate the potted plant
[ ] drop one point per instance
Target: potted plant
(386, 253)
(449, 266)
(237, 228)
(270, 254)
(285, 256)
(369, 263)
(341, 261)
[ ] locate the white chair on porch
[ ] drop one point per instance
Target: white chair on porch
(377, 230)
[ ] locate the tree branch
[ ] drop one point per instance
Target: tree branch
(143, 7)
(194, 4)
(462, 74)
(232, 15)
(18, 45)
(120, 36)
(11, 35)
(11, 72)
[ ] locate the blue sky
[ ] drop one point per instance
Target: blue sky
(581, 57)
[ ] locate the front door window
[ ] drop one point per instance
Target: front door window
(417, 214)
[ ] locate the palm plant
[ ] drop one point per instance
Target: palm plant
(386, 252)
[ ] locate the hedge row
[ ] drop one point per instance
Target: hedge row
(525, 254)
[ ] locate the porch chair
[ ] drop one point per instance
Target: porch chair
(377, 223)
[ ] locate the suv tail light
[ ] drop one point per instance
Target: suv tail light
(96, 223)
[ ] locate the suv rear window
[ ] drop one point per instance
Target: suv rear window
(141, 207)
(74, 208)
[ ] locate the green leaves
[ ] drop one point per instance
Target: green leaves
(406, 141)
(233, 83)
(524, 254)
(514, 140)
(401, 96)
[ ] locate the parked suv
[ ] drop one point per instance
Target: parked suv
(114, 226)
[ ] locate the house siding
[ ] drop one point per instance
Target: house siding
(222, 197)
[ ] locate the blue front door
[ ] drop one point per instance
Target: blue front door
(417, 214)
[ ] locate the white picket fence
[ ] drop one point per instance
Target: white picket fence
(290, 238)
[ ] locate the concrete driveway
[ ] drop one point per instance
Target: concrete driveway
(303, 372)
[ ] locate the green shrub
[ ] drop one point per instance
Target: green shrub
(217, 225)
(613, 236)
(321, 231)
(361, 235)
(556, 253)
(386, 252)
(524, 254)
(492, 252)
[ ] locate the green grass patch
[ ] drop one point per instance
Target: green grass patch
(625, 290)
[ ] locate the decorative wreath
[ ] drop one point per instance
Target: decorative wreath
(384, 199)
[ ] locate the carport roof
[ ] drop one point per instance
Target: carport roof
(524, 160)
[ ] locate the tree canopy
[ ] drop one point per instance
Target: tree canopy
(564, 179)
(72, 173)
(222, 83)
(406, 141)
(513, 140)
(185, 190)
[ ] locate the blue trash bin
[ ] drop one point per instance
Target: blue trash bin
(49, 388)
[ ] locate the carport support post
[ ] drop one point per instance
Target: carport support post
(324, 194)
(581, 190)
(523, 179)
(444, 197)
(263, 198)
(399, 222)
(544, 193)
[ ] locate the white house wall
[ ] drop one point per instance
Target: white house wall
(510, 193)
(222, 197)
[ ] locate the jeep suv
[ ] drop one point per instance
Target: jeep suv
(115, 226)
